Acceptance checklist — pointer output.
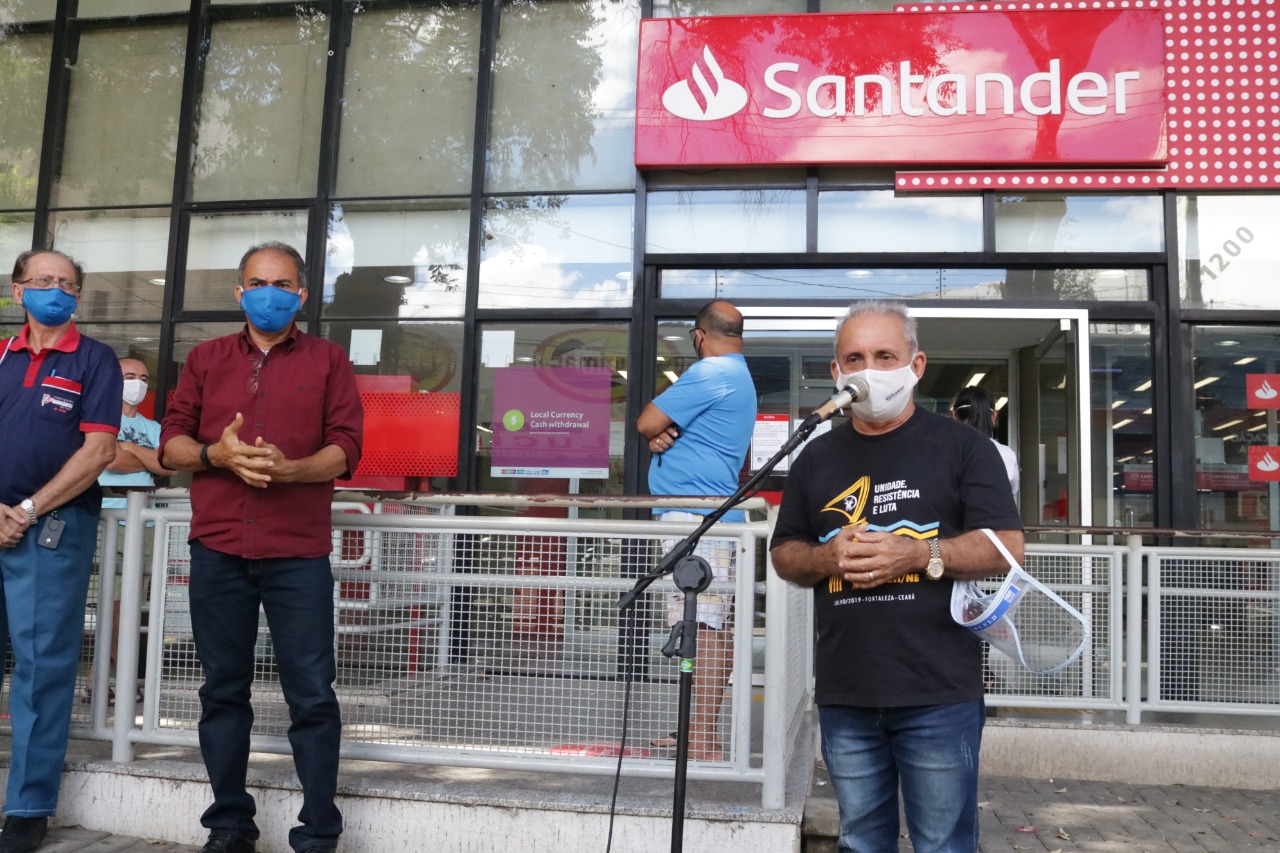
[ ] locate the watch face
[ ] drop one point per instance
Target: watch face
(934, 569)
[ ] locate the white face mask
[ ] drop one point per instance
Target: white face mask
(135, 390)
(890, 391)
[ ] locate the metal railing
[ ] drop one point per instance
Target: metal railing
(486, 640)
(495, 641)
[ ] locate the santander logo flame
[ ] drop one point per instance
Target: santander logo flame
(1265, 391)
(706, 100)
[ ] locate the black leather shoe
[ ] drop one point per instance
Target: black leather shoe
(320, 848)
(23, 834)
(227, 841)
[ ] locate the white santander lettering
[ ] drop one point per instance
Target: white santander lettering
(1120, 81)
(1052, 78)
(1086, 85)
(771, 81)
(938, 88)
(906, 82)
(837, 84)
(1038, 94)
(1006, 92)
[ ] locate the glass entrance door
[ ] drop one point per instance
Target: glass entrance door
(1033, 364)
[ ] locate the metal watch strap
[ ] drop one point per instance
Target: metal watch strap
(935, 549)
(30, 506)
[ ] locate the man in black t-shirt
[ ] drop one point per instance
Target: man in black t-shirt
(880, 517)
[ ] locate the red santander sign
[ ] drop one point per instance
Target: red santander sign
(1080, 87)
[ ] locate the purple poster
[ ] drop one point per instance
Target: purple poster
(551, 422)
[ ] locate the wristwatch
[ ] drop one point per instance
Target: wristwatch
(30, 507)
(933, 571)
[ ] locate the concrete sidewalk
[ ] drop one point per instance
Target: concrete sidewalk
(1073, 816)
(1018, 816)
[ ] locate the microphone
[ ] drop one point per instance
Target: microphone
(853, 392)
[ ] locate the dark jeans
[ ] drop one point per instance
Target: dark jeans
(929, 752)
(297, 596)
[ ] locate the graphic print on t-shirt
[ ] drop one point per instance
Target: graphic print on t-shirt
(128, 432)
(884, 498)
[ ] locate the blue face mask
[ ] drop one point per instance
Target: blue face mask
(268, 308)
(51, 307)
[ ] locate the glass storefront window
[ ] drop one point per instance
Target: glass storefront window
(564, 97)
(1227, 251)
(258, 134)
(1237, 388)
(24, 68)
(123, 253)
(552, 407)
(693, 8)
(832, 6)
(1121, 417)
(217, 242)
(883, 221)
(410, 380)
(122, 111)
(408, 102)
(187, 335)
(27, 11)
(122, 8)
(15, 238)
(1048, 222)
(557, 251)
(763, 220)
(1048, 285)
(390, 262)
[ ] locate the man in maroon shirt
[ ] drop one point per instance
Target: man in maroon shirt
(266, 419)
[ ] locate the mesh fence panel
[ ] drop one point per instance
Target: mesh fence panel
(1219, 634)
(520, 648)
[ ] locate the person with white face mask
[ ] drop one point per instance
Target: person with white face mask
(879, 517)
(136, 463)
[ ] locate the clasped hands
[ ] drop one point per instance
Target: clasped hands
(14, 522)
(867, 558)
(253, 463)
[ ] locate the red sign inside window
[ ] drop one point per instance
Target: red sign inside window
(1263, 390)
(1083, 87)
(1264, 464)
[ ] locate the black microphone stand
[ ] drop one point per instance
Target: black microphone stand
(692, 574)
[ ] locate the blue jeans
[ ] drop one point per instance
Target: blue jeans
(931, 750)
(297, 596)
(42, 597)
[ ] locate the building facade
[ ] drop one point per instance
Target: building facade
(462, 178)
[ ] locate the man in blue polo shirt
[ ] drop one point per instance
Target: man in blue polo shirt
(59, 414)
(699, 431)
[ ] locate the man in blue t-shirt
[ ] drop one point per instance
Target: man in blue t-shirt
(698, 431)
(135, 463)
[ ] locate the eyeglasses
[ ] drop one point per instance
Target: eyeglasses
(44, 282)
(695, 329)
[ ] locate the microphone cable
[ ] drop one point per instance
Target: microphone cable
(626, 713)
